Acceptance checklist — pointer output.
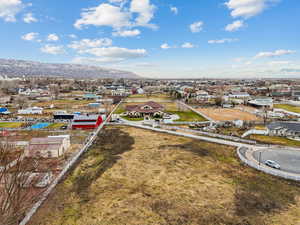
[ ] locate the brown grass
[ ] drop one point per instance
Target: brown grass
(228, 114)
(137, 177)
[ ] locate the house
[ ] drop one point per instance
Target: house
(90, 97)
(262, 102)
(284, 129)
(85, 122)
(62, 115)
(32, 110)
(242, 95)
(147, 109)
(203, 95)
(5, 99)
(48, 147)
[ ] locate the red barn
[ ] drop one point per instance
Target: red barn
(85, 122)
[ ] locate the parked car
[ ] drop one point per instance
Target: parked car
(272, 164)
(64, 127)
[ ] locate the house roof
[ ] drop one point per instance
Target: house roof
(154, 107)
(292, 126)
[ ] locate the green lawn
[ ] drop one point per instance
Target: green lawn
(132, 119)
(120, 109)
(10, 124)
(55, 125)
(275, 140)
(188, 116)
(287, 107)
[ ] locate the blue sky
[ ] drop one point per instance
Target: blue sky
(158, 39)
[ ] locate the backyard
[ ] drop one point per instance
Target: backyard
(169, 180)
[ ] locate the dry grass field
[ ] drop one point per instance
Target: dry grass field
(167, 180)
(221, 114)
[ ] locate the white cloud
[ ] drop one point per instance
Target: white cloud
(236, 25)
(29, 18)
(165, 46)
(119, 16)
(85, 44)
(126, 33)
(196, 27)
(115, 54)
(9, 9)
(53, 49)
(248, 8)
(73, 36)
(174, 10)
(279, 52)
(222, 41)
(103, 51)
(52, 37)
(279, 63)
(30, 36)
(104, 15)
(145, 11)
(187, 45)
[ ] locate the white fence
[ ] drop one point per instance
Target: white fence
(271, 171)
(209, 139)
(254, 131)
(60, 177)
(226, 137)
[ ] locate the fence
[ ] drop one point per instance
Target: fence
(226, 137)
(12, 164)
(69, 165)
(195, 111)
(209, 139)
(264, 169)
(254, 131)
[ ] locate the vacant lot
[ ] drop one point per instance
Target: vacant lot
(290, 108)
(167, 180)
(228, 114)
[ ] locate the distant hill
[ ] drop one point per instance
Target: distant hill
(11, 67)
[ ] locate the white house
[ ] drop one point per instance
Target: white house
(49, 147)
(32, 110)
(239, 95)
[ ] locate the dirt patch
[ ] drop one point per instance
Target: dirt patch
(221, 114)
(160, 179)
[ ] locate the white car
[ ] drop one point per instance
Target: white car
(272, 164)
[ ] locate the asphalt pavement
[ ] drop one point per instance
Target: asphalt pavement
(289, 160)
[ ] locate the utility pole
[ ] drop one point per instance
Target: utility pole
(259, 160)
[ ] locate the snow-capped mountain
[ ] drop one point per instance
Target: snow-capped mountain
(17, 68)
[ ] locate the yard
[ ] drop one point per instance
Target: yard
(188, 116)
(11, 124)
(221, 114)
(291, 108)
(275, 140)
(124, 179)
(56, 125)
(172, 108)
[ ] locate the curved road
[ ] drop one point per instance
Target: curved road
(289, 160)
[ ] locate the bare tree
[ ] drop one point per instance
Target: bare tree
(16, 189)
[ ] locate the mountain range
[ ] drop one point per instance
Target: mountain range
(18, 68)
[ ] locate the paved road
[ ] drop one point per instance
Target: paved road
(289, 160)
